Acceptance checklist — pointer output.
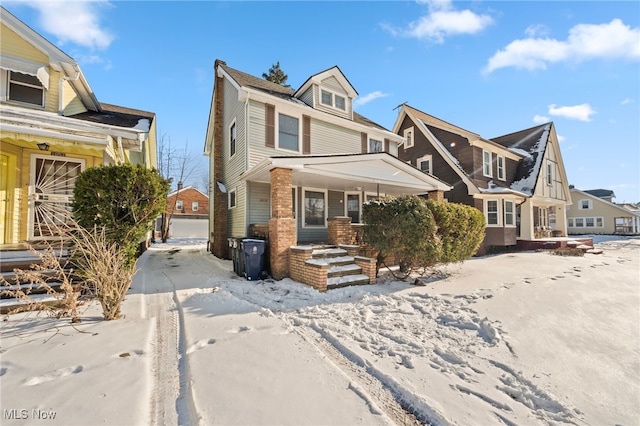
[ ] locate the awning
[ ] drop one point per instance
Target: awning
(25, 67)
(375, 172)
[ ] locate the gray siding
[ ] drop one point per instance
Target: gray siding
(327, 138)
(307, 97)
(258, 203)
(336, 203)
(334, 86)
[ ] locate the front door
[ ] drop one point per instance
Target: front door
(51, 194)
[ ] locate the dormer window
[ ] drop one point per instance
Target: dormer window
(375, 145)
(333, 100)
(25, 89)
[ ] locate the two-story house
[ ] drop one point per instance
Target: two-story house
(52, 127)
(291, 159)
(187, 214)
(594, 212)
(518, 180)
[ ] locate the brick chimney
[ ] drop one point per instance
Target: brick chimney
(180, 185)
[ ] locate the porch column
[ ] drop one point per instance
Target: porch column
(437, 195)
(526, 221)
(282, 225)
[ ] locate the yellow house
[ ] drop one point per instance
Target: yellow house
(52, 127)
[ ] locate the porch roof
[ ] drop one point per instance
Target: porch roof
(374, 172)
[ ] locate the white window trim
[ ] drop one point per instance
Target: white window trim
(549, 173)
(490, 174)
(425, 158)
(589, 202)
(409, 130)
(502, 169)
(235, 193)
(326, 207)
(233, 123)
(513, 214)
(572, 222)
(498, 213)
(21, 103)
(375, 139)
(333, 99)
(179, 205)
(295, 115)
(194, 206)
(359, 194)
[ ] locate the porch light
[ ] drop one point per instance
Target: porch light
(43, 146)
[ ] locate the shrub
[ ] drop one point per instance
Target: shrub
(404, 229)
(567, 251)
(122, 199)
(460, 229)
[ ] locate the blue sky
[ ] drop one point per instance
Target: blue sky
(491, 67)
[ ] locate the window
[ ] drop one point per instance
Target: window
(232, 199)
(352, 207)
(589, 222)
(486, 164)
(26, 89)
(585, 205)
(492, 212)
(408, 137)
(232, 139)
(570, 222)
(340, 102)
(314, 208)
(179, 205)
(549, 173)
(599, 222)
(579, 222)
(424, 164)
(501, 173)
(375, 145)
(194, 206)
(288, 132)
(326, 98)
(509, 216)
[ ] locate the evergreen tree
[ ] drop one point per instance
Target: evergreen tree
(276, 75)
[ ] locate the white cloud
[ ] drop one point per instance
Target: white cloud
(540, 119)
(627, 101)
(538, 30)
(442, 21)
(582, 112)
(363, 100)
(613, 40)
(561, 138)
(76, 22)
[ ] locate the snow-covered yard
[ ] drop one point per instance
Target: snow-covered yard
(515, 339)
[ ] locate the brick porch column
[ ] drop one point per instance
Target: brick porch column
(282, 225)
(436, 195)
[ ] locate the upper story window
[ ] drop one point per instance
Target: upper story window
(333, 100)
(194, 206)
(232, 139)
(232, 199)
(375, 145)
(408, 137)
(501, 168)
(288, 132)
(585, 205)
(25, 89)
(549, 173)
(487, 169)
(179, 205)
(424, 164)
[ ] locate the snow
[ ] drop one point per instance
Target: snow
(496, 340)
(528, 183)
(143, 124)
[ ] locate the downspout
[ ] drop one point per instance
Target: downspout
(61, 89)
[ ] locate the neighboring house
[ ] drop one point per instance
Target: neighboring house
(292, 159)
(52, 127)
(187, 213)
(593, 212)
(518, 180)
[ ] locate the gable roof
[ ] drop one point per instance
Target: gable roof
(188, 188)
(588, 195)
(115, 115)
(532, 144)
(601, 193)
(334, 71)
(243, 79)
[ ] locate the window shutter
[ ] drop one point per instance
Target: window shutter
(386, 145)
(306, 134)
(269, 126)
(364, 142)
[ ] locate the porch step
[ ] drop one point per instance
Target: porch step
(344, 281)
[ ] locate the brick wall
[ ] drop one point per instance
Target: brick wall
(368, 266)
(310, 274)
(188, 196)
(219, 245)
(339, 230)
(436, 195)
(283, 232)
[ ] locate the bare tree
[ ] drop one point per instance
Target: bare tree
(177, 165)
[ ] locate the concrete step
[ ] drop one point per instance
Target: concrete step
(337, 282)
(344, 270)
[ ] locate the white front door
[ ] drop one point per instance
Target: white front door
(51, 193)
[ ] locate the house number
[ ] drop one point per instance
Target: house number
(58, 154)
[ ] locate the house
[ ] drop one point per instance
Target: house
(594, 212)
(52, 127)
(286, 162)
(187, 213)
(518, 180)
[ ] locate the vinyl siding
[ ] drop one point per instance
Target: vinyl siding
(258, 203)
(71, 102)
(600, 208)
(12, 44)
(327, 138)
(334, 86)
(307, 96)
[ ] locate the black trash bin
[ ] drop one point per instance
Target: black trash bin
(253, 254)
(237, 258)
